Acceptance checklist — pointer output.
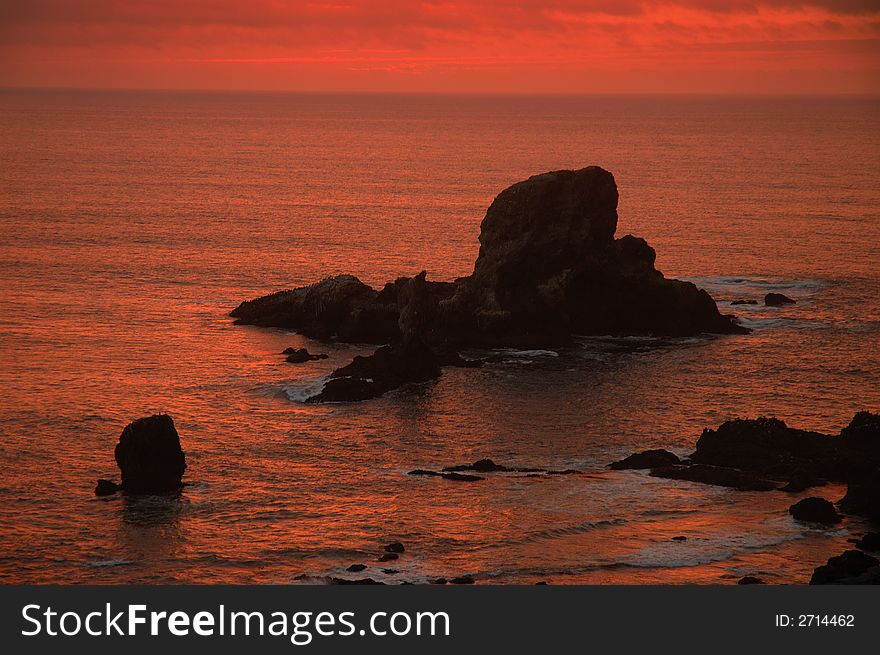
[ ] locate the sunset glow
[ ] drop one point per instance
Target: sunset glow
(631, 46)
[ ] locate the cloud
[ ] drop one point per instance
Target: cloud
(669, 36)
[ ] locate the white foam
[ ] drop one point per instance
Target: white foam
(302, 390)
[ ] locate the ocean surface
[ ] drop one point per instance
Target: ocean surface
(132, 223)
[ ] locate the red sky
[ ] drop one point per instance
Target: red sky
(578, 46)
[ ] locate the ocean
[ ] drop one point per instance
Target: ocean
(131, 223)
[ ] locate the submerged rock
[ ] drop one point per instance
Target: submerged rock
(360, 581)
(150, 457)
(395, 547)
(646, 460)
(852, 567)
(744, 302)
(356, 568)
(778, 299)
(815, 509)
(717, 475)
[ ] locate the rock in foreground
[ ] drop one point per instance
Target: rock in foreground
(852, 567)
(150, 457)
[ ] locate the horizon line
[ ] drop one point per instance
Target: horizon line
(390, 92)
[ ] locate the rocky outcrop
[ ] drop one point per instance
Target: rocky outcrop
(149, 456)
(548, 268)
(763, 453)
(777, 300)
(852, 567)
(647, 459)
(815, 510)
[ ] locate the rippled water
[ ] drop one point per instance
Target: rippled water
(131, 223)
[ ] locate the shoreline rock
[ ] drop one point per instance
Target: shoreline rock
(647, 459)
(301, 355)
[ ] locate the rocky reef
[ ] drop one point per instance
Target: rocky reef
(549, 267)
(765, 454)
(149, 457)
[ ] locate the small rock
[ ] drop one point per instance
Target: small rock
(750, 579)
(301, 355)
(106, 488)
(647, 459)
(744, 302)
(543, 583)
(356, 568)
(680, 538)
(390, 571)
(462, 579)
(777, 300)
(395, 547)
(439, 581)
(388, 557)
(815, 509)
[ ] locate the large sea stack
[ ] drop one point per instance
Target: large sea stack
(548, 268)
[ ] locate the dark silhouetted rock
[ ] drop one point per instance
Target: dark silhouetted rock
(769, 447)
(680, 538)
(815, 509)
(439, 581)
(388, 557)
(646, 460)
(149, 456)
(106, 488)
(395, 547)
(716, 475)
(340, 307)
(462, 579)
(390, 571)
(777, 300)
(548, 267)
(847, 568)
(300, 355)
(488, 466)
(862, 435)
(457, 477)
(565, 472)
(750, 579)
(388, 368)
(869, 541)
(744, 302)
(461, 477)
(799, 481)
(356, 568)
(863, 496)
